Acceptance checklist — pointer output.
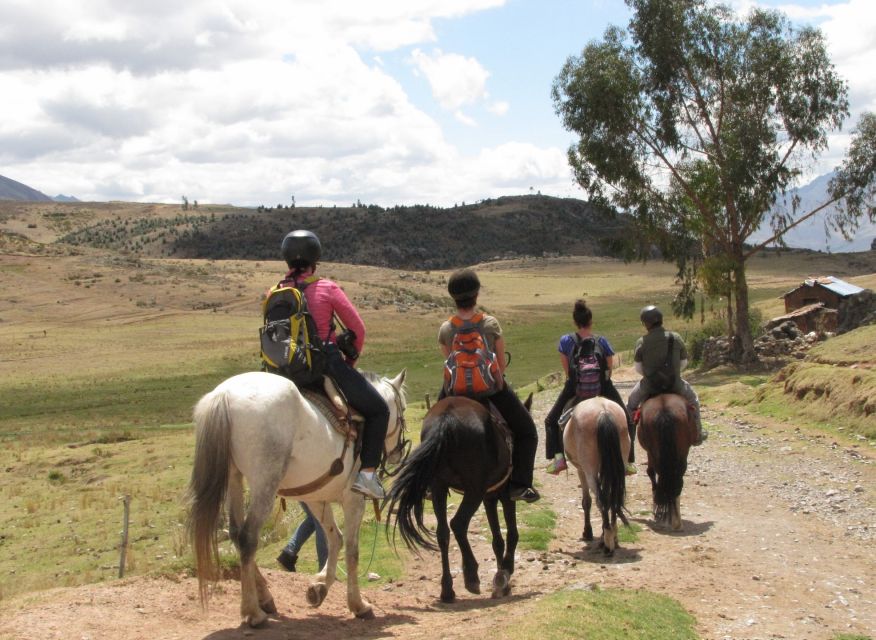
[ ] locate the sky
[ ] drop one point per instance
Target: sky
(327, 101)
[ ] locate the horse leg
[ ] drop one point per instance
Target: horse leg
(439, 506)
(318, 589)
(246, 538)
(354, 509)
(512, 537)
(609, 530)
(586, 503)
(459, 524)
(500, 580)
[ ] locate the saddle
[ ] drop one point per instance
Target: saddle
(331, 403)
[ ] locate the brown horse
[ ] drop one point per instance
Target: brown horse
(597, 443)
(667, 434)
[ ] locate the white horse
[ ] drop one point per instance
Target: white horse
(260, 427)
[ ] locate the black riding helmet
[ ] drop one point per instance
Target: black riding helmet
(301, 248)
(464, 285)
(651, 316)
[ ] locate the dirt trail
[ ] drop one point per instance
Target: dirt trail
(777, 543)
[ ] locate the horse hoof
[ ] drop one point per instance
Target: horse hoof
(257, 619)
(316, 593)
(587, 536)
(501, 585)
(366, 614)
(473, 587)
(269, 607)
(448, 598)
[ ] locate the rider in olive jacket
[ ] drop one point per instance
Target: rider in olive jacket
(650, 357)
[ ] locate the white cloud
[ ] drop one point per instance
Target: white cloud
(499, 108)
(455, 80)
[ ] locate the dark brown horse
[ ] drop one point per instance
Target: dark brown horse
(667, 434)
(461, 448)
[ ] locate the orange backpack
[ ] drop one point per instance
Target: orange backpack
(471, 368)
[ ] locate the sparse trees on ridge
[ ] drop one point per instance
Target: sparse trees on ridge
(695, 121)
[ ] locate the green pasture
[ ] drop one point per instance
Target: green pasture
(597, 614)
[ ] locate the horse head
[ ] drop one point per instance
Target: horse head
(396, 445)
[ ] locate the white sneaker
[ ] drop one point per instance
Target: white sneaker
(369, 487)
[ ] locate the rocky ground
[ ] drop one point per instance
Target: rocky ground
(777, 543)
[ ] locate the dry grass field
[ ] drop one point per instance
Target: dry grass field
(102, 356)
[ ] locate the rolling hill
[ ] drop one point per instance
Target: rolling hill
(416, 237)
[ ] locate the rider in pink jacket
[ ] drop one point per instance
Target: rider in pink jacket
(325, 300)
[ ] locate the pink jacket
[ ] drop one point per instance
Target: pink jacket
(324, 299)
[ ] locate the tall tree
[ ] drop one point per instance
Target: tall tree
(695, 120)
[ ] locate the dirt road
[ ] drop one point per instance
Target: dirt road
(778, 542)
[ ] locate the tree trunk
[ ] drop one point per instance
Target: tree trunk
(743, 348)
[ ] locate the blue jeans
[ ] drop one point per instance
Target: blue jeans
(308, 527)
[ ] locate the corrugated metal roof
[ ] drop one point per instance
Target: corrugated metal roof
(839, 287)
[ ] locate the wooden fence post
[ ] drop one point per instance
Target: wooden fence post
(124, 549)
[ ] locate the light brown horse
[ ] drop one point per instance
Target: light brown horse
(667, 434)
(597, 443)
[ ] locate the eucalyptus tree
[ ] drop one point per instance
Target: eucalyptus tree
(696, 120)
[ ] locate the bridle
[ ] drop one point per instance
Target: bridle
(403, 445)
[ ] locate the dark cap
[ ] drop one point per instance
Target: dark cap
(651, 316)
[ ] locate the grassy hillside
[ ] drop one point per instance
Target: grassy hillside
(834, 387)
(416, 237)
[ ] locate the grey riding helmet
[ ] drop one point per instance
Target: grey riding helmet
(301, 246)
(651, 316)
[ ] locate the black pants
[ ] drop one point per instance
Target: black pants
(553, 439)
(362, 395)
(523, 433)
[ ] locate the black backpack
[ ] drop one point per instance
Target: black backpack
(290, 344)
(587, 367)
(663, 379)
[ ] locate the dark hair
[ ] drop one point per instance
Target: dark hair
(464, 286)
(582, 315)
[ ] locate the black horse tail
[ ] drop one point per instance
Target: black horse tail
(670, 466)
(413, 481)
(611, 479)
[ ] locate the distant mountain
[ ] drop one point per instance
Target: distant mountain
(12, 190)
(62, 198)
(812, 234)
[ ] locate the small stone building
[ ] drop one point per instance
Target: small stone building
(813, 317)
(827, 290)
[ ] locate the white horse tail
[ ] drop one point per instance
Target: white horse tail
(209, 483)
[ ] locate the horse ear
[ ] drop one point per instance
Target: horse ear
(399, 380)
(528, 403)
